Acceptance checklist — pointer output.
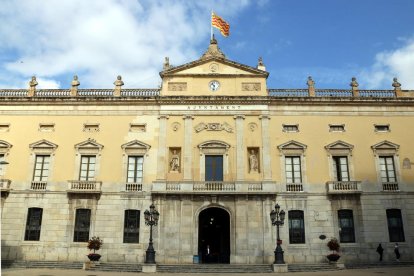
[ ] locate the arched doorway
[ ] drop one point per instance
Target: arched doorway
(214, 236)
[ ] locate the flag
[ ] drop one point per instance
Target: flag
(219, 23)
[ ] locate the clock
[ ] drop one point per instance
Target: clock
(214, 85)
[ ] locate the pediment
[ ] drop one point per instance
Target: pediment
(292, 145)
(89, 144)
(213, 66)
(4, 146)
(214, 144)
(43, 144)
(339, 145)
(135, 144)
(385, 145)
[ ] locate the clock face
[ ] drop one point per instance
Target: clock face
(214, 85)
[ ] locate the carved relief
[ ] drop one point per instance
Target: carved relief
(251, 86)
(214, 67)
(46, 127)
(175, 159)
(87, 127)
(253, 160)
(213, 127)
(252, 127)
(177, 86)
(137, 127)
(176, 126)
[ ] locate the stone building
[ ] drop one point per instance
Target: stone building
(214, 149)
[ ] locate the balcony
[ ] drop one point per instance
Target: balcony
(294, 187)
(214, 187)
(38, 185)
(390, 186)
(344, 187)
(84, 187)
(5, 185)
(133, 187)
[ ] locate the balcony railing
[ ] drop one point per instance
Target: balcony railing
(294, 187)
(133, 187)
(344, 187)
(38, 185)
(390, 186)
(5, 184)
(80, 186)
(217, 187)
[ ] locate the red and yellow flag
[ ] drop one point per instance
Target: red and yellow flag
(219, 23)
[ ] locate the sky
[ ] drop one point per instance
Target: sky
(97, 40)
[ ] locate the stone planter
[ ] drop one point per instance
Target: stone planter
(94, 257)
(333, 257)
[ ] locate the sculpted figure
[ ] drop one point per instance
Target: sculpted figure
(175, 161)
(254, 163)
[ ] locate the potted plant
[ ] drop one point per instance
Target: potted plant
(334, 246)
(95, 243)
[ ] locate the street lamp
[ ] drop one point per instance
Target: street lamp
(151, 219)
(278, 218)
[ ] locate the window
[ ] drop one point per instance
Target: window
(135, 166)
(82, 224)
(293, 169)
(87, 169)
(33, 224)
(340, 167)
(395, 225)
(387, 169)
(296, 227)
(214, 168)
(382, 128)
(41, 169)
(346, 226)
(2, 159)
(131, 226)
(291, 128)
(337, 128)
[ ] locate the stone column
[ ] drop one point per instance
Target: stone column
(267, 172)
(240, 150)
(162, 149)
(188, 147)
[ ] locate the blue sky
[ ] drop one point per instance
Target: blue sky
(331, 40)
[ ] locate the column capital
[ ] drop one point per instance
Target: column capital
(238, 117)
(188, 117)
(265, 116)
(166, 117)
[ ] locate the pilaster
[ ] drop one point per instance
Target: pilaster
(267, 172)
(240, 152)
(162, 149)
(188, 137)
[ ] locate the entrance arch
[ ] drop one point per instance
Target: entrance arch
(214, 236)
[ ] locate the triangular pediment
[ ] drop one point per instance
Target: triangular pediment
(4, 146)
(89, 144)
(135, 144)
(43, 144)
(385, 145)
(339, 145)
(292, 145)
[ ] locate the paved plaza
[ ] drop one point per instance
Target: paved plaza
(400, 271)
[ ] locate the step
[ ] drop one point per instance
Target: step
(214, 268)
(311, 267)
(379, 264)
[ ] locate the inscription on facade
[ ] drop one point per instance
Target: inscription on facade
(213, 107)
(177, 86)
(251, 86)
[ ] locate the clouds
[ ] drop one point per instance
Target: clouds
(99, 40)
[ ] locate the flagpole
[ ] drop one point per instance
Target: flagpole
(211, 25)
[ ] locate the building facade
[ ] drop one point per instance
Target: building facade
(214, 149)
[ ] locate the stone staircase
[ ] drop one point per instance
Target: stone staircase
(214, 268)
(378, 264)
(40, 264)
(116, 267)
(311, 267)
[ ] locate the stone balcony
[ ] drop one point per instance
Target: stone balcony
(133, 187)
(390, 187)
(38, 185)
(5, 185)
(84, 187)
(214, 187)
(344, 187)
(294, 187)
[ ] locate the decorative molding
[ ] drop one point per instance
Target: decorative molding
(135, 147)
(4, 147)
(177, 86)
(251, 86)
(137, 127)
(292, 148)
(4, 127)
(47, 127)
(339, 148)
(43, 146)
(214, 67)
(252, 127)
(176, 126)
(213, 127)
(385, 147)
(89, 146)
(91, 127)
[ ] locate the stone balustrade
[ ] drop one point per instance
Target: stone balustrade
(5, 184)
(344, 187)
(294, 187)
(38, 185)
(390, 186)
(133, 187)
(80, 186)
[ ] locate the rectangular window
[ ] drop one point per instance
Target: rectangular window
(131, 226)
(87, 168)
(82, 225)
(387, 169)
(296, 227)
(291, 128)
(33, 224)
(135, 167)
(382, 128)
(2, 159)
(337, 128)
(395, 225)
(346, 226)
(214, 167)
(293, 169)
(41, 169)
(340, 164)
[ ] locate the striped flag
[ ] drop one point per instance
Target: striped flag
(219, 23)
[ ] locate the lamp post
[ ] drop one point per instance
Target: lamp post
(151, 219)
(278, 218)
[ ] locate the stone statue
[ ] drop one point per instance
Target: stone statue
(175, 161)
(33, 82)
(75, 81)
(395, 83)
(253, 162)
(310, 82)
(119, 81)
(166, 65)
(260, 62)
(354, 83)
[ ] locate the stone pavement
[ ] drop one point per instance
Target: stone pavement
(392, 271)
